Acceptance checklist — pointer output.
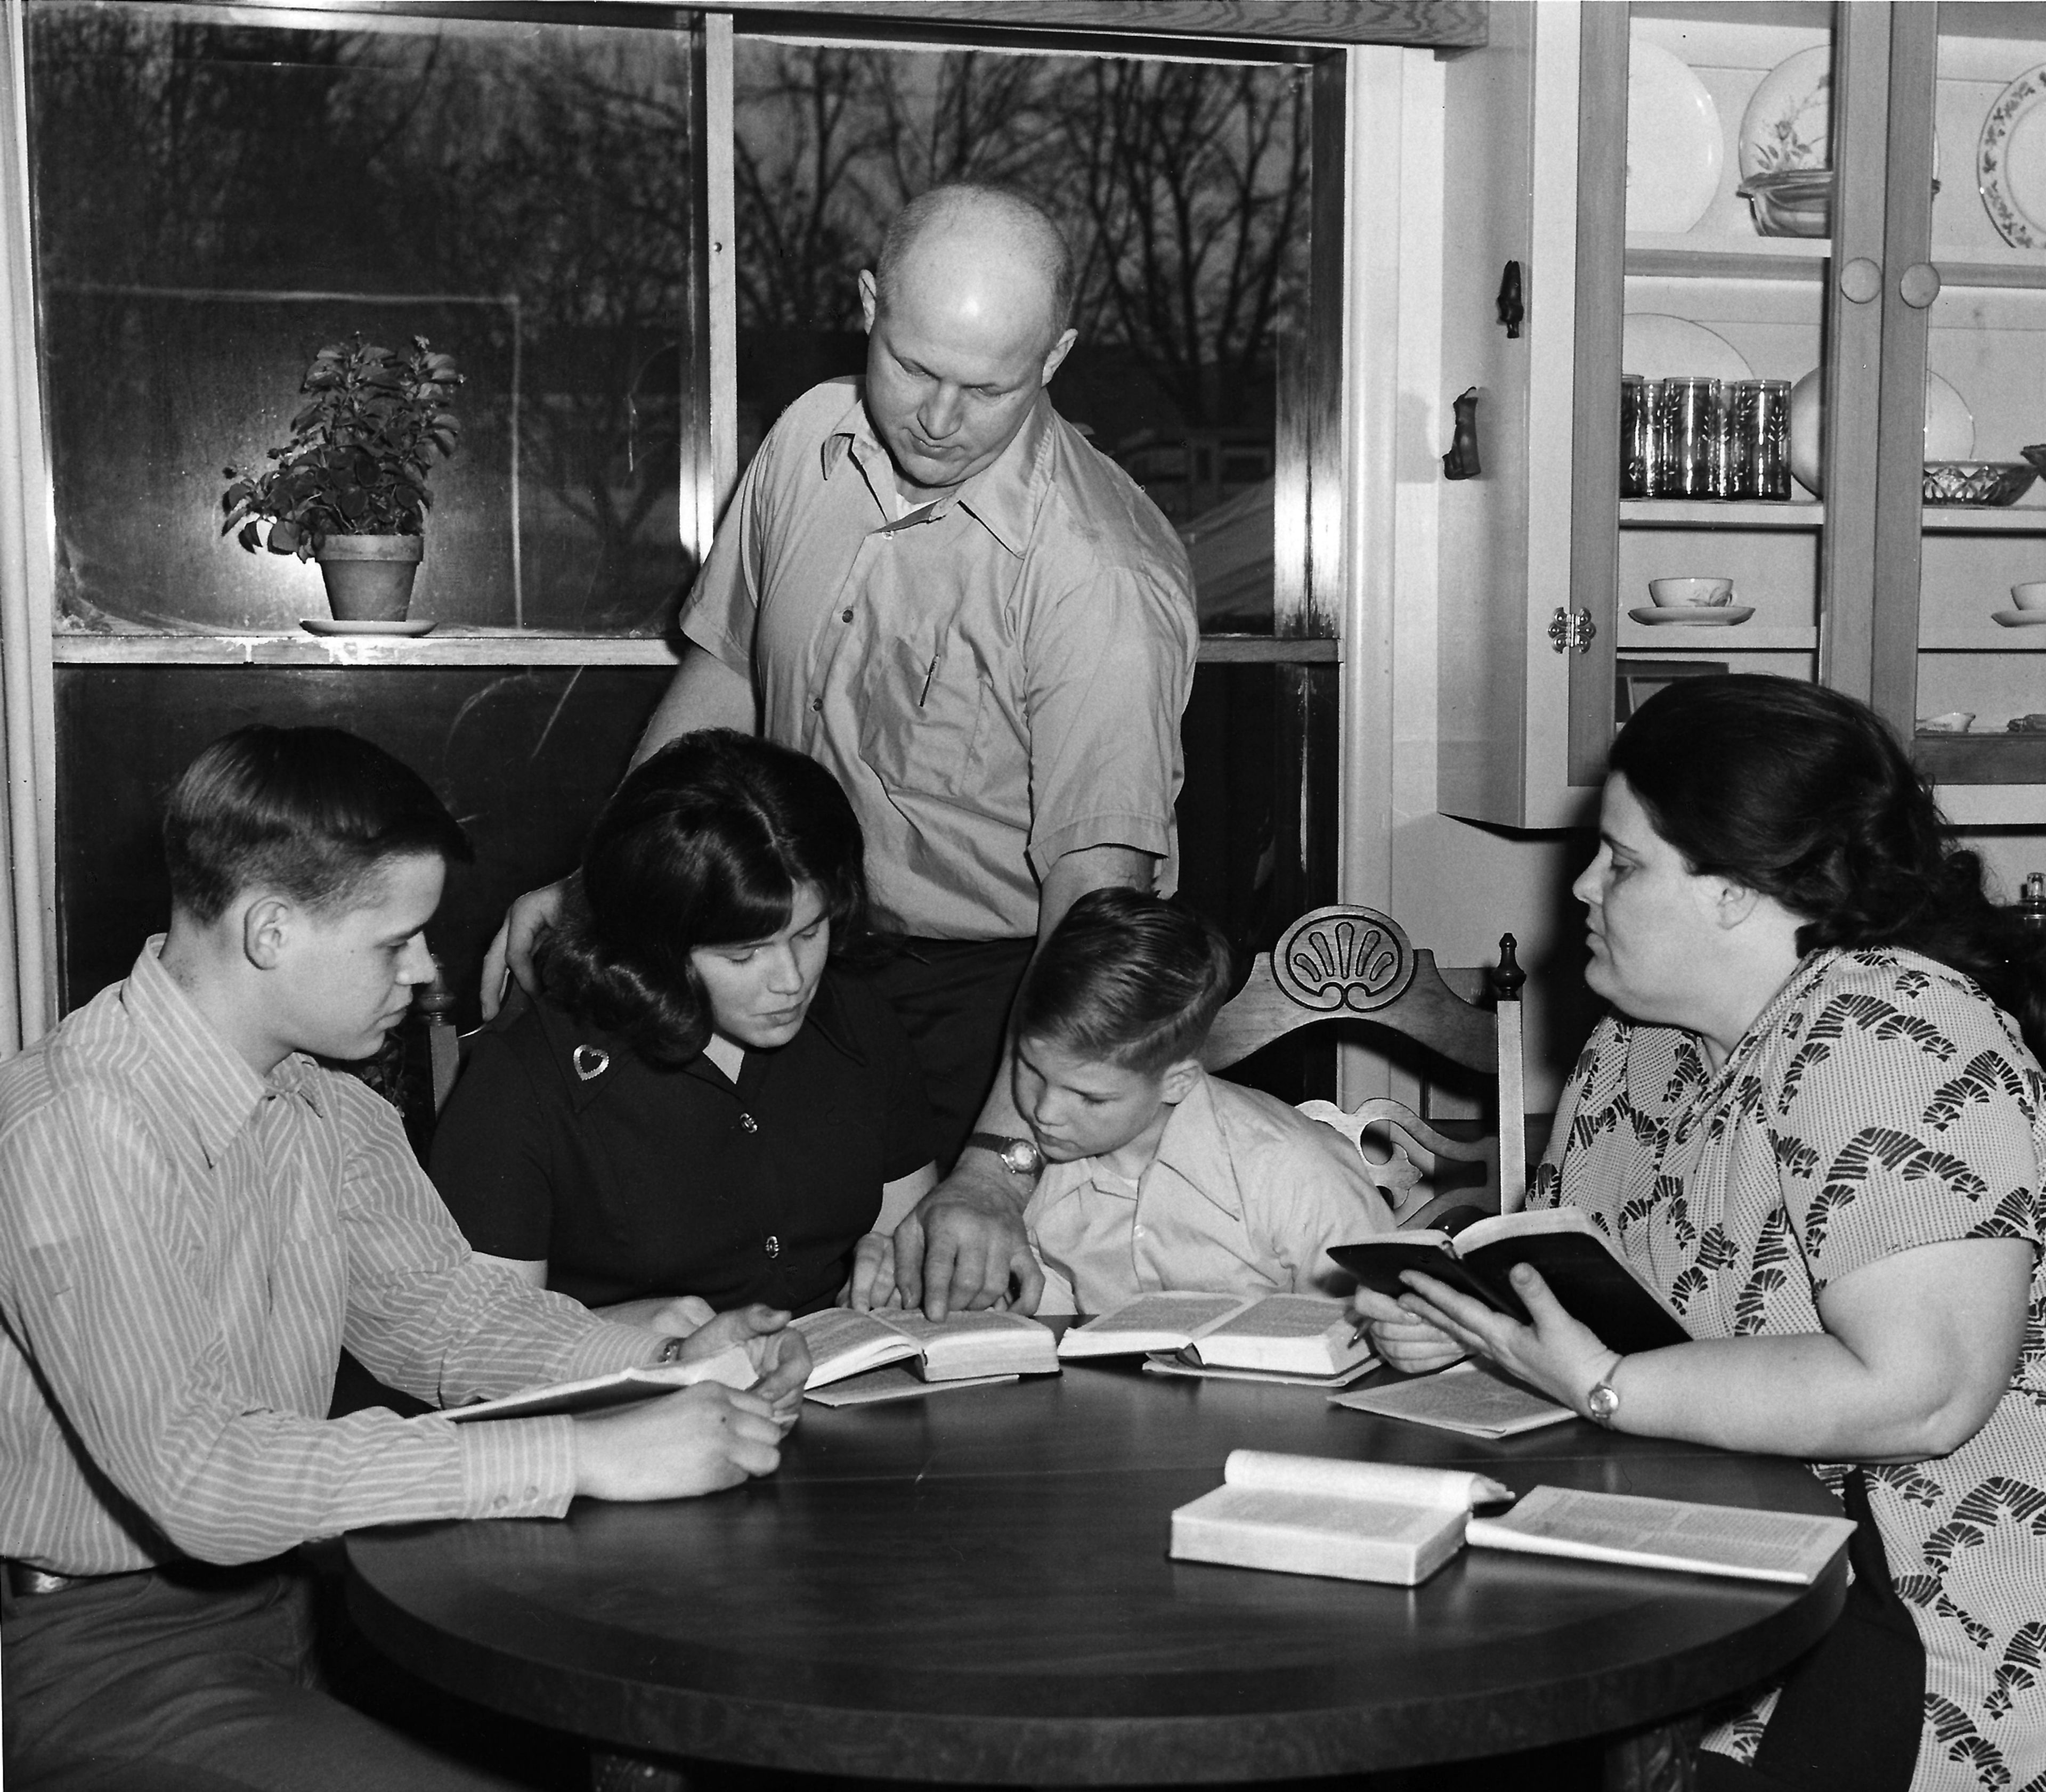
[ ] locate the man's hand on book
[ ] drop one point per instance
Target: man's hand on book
(694, 1441)
(964, 1247)
(871, 1286)
(1412, 1345)
(1556, 1354)
(781, 1357)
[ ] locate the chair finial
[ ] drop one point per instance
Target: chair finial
(1507, 977)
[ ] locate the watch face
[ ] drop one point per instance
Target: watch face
(1602, 1402)
(1023, 1158)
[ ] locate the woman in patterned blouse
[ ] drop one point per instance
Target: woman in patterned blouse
(1812, 1122)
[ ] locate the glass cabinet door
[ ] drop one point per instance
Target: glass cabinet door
(1961, 648)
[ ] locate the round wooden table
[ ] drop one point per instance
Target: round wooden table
(974, 1586)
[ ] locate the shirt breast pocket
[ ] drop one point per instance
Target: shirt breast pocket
(923, 716)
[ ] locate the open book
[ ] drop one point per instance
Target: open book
(959, 1347)
(622, 1388)
(1285, 1334)
(1467, 1396)
(1311, 1515)
(1384, 1521)
(1594, 1283)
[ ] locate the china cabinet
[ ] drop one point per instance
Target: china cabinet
(1916, 322)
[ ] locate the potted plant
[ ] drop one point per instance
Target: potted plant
(349, 490)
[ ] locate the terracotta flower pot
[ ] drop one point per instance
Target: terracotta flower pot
(369, 577)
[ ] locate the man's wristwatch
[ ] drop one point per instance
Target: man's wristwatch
(1019, 1156)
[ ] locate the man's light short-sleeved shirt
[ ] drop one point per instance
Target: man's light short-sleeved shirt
(996, 678)
(1244, 1196)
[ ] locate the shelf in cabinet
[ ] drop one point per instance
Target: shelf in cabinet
(2004, 758)
(1728, 257)
(1713, 512)
(2027, 274)
(1711, 637)
(1990, 640)
(1961, 519)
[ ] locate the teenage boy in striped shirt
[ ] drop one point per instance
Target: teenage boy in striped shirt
(195, 1218)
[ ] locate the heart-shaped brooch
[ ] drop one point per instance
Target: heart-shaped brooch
(590, 1062)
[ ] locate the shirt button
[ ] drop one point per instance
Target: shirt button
(748, 1124)
(845, 615)
(773, 1246)
(1137, 1231)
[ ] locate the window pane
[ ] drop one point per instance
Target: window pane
(1183, 189)
(216, 197)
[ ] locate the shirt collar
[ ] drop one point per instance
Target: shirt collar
(1005, 497)
(211, 1082)
(589, 1056)
(1193, 1148)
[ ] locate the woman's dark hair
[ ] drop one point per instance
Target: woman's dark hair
(1805, 795)
(311, 813)
(702, 845)
(1127, 978)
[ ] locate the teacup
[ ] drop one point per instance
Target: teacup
(1692, 594)
(2031, 597)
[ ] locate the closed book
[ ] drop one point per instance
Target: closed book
(1313, 1515)
(1469, 1398)
(1595, 1284)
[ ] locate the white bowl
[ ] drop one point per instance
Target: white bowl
(1690, 593)
(1953, 721)
(2031, 597)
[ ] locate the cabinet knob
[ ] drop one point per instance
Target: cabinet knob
(1861, 279)
(1920, 285)
(1572, 629)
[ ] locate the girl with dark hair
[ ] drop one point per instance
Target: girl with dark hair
(1814, 1122)
(703, 1109)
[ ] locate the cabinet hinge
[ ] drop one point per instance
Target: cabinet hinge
(1572, 629)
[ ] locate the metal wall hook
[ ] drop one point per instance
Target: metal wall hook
(1461, 461)
(1510, 309)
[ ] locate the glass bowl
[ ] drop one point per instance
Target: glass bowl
(1983, 483)
(1791, 202)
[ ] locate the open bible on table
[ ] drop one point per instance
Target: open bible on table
(1386, 1521)
(623, 1387)
(958, 1349)
(1594, 1283)
(1282, 1336)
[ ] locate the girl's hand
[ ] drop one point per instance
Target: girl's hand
(1412, 1345)
(1556, 1354)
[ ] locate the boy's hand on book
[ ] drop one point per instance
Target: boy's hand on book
(1412, 1345)
(781, 1357)
(694, 1441)
(1556, 1354)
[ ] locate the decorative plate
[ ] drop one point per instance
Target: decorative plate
(1674, 144)
(2010, 161)
(1659, 347)
(327, 625)
(1720, 615)
(1789, 122)
(1950, 426)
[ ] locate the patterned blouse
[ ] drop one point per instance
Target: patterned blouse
(1880, 1101)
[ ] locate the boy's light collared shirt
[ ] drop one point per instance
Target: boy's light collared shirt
(1244, 1196)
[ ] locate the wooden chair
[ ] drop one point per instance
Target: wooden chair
(1346, 963)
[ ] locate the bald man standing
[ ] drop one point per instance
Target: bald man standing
(930, 583)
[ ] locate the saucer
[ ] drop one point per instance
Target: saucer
(1725, 615)
(2018, 618)
(327, 625)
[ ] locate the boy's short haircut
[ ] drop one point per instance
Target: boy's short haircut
(310, 813)
(1127, 978)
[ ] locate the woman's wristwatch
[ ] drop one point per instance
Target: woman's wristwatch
(1603, 1402)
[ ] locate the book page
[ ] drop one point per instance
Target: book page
(733, 1368)
(1386, 1520)
(927, 1332)
(1181, 1315)
(1283, 1316)
(1464, 1397)
(1331, 1477)
(894, 1383)
(844, 1343)
(1626, 1527)
(982, 1344)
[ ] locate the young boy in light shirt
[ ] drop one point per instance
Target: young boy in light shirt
(1156, 1175)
